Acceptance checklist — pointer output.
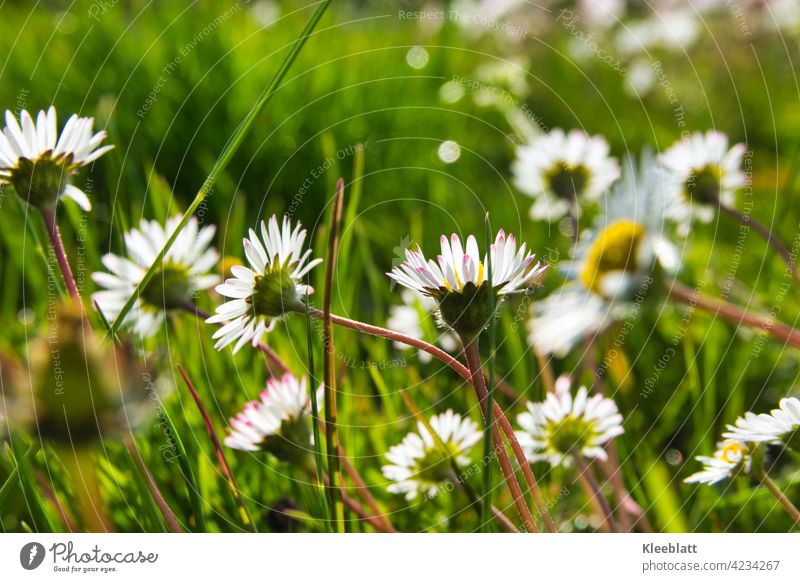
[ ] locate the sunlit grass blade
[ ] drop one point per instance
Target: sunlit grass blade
(14, 476)
(227, 153)
(187, 472)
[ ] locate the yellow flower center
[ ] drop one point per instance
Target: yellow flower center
(615, 249)
(733, 452)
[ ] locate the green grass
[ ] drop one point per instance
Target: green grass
(351, 85)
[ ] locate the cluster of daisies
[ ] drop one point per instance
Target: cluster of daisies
(617, 257)
(564, 172)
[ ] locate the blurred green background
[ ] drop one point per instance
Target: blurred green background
(171, 81)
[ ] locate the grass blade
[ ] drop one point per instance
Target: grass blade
(329, 368)
(227, 153)
(312, 386)
(223, 462)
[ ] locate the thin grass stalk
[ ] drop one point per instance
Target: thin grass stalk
(315, 420)
(225, 157)
(489, 428)
(14, 477)
(223, 462)
(54, 235)
(776, 492)
(733, 314)
(329, 368)
(594, 494)
(158, 497)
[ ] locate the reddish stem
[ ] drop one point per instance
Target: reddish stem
(477, 380)
(462, 371)
(53, 233)
(733, 314)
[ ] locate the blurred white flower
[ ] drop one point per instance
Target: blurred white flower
(183, 272)
(559, 170)
(779, 426)
(39, 163)
(707, 173)
(419, 465)
(278, 422)
(562, 426)
(612, 267)
(730, 456)
(272, 286)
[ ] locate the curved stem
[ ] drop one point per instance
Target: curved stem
(734, 314)
(54, 234)
(462, 371)
(766, 234)
(779, 495)
(476, 373)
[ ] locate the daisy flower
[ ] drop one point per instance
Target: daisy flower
(779, 426)
(183, 272)
(408, 318)
(269, 288)
(562, 426)
(39, 163)
(559, 169)
(457, 281)
(728, 459)
(420, 465)
(707, 174)
(277, 422)
(612, 267)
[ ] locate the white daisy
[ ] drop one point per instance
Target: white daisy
(458, 280)
(267, 290)
(707, 173)
(408, 318)
(418, 463)
(562, 426)
(277, 423)
(39, 163)
(730, 456)
(613, 266)
(779, 426)
(184, 272)
(559, 170)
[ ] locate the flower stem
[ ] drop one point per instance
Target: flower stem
(476, 372)
(595, 495)
(766, 234)
(734, 314)
(462, 371)
(779, 495)
(54, 234)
